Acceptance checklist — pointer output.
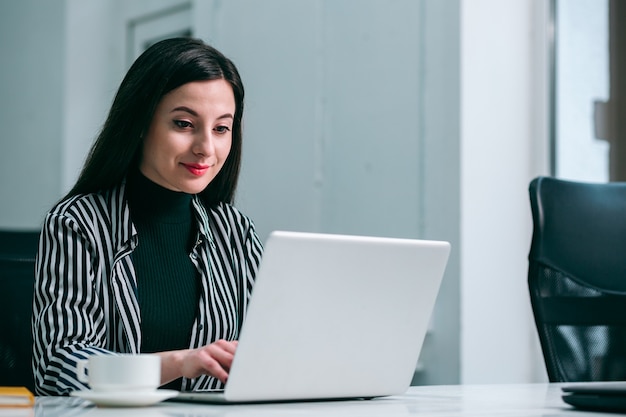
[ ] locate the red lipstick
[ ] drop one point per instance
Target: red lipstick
(196, 169)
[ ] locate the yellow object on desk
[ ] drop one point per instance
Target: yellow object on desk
(16, 397)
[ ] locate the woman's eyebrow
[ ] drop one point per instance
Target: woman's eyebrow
(226, 116)
(185, 109)
(194, 113)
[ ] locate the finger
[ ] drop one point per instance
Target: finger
(224, 356)
(214, 368)
(228, 346)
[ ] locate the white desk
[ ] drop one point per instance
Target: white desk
(528, 400)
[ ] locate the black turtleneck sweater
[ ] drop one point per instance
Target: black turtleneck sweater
(167, 281)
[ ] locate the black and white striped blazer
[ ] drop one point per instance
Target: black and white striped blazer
(85, 299)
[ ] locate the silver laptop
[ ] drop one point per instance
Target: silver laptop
(333, 317)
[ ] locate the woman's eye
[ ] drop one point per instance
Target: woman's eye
(183, 124)
(222, 129)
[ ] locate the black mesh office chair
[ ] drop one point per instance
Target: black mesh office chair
(577, 278)
(17, 275)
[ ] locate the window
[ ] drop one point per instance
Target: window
(588, 134)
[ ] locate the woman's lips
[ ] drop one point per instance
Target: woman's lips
(196, 169)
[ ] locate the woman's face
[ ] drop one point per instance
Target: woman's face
(190, 136)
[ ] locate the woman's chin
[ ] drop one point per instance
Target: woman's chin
(194, 188)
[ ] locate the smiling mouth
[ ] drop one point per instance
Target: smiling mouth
(196, 169)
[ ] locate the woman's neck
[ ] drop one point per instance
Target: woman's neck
(150, 201)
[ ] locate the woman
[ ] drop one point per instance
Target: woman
(146, 254)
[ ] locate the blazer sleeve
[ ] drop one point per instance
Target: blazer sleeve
(68, 318)
(253, 255)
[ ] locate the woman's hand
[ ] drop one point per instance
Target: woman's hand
(214, 359)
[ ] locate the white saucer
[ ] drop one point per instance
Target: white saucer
(125, 398)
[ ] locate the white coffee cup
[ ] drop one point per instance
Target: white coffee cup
(120, 372)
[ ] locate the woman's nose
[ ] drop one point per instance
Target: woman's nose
(203, 145)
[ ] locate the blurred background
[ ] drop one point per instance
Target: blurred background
(404, 118)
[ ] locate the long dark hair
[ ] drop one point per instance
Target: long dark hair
(163, 67)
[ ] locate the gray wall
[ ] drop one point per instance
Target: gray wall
(32, 51)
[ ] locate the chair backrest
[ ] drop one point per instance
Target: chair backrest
(577, 278)
(17, 276)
